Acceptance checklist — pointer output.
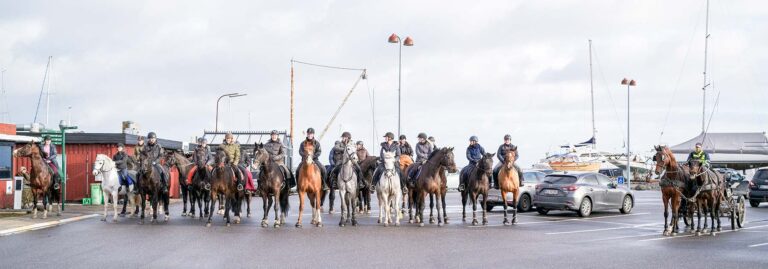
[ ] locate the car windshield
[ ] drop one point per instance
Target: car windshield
(761, 174)
(559, 179)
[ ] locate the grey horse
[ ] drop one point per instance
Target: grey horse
(347, 185)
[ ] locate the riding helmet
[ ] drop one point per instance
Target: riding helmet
(46, 137)
(228, 135)
(473, 138)
(346, 134)
(120, 145)
(360, 143)
(402, 137)
(311, 130)
(274, 132)
(151, 135)
(140, 138)
(431, 138)
(423, 135)
(507, 137)
(390, 135)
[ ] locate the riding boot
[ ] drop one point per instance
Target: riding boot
(360, 181)
(291, 179)
(519, 175)
(323, 176)
(164, 180)
(495, 178)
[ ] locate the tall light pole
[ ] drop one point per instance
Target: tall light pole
(407, 42)
(230, 95)
(629, 83)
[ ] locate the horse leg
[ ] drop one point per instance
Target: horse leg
(353, 201)
(125, 201)
(166, 201)
(331, 199)
(184, 201)
(382, 204)
(675, 216)
(714, 217)
(484, 206)
(45, 205)
(473, 198)
(105, 193)
(445, 211)
(431, 208)
(277, 209)
(398, 214)
(515, 203)
(439, 207)
(114, 205)
(463, 206)
(698, 217)
(153, 203)
(265, 204)
(301, 207)
(665, 200)
(504, 204)
(343, 206)
(143, 206)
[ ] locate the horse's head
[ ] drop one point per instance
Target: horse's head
(510, 157)
(200, 155)
(309, 149)
(260, 155)
(662, 158)
(170, 158)
(220, 157)
(389, 161)
(27, 150)
(145, 165)
(695, 166)
(486, 163)
(102, 164)
(446, 159)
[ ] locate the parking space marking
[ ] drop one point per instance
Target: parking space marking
(602, 229)
(583, 219)
(758, 245)
(689, 235)
(622, 237)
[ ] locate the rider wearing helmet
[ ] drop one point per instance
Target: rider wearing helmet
(315, 156)
(391, 146)
(431, 139)
(154, 152)
(424, 149)
(345, 147)
(121, 163)
(49, 156)
(405, 147)
(700, 155)
(501, 154)
(277, 151)
(232, 150)
(362, 152)
(475, 153)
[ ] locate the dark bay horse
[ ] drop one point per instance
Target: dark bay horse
(272, 186)
(174, 160)
(367, 168)
(199, 190)
(430, 181)
(41, 179)
(309, 184)
(708, 196)
(224, 183)
(477, 184)
(673, 179)
(150, 184)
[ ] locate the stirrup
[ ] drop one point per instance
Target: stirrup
(239, 187)
(207, 186)
(56, 186)
(461, 187)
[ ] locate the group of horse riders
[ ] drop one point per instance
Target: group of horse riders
(475, 153)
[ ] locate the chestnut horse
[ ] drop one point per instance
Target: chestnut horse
(309, 184)
(405, 164)
(672, 180)
(430, 181)
(40, 179)
(509, 182)
(477, 184)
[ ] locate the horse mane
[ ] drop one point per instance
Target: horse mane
(668, 152)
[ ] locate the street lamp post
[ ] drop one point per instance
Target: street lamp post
(230, 95)
(407, 42)
(629, 83)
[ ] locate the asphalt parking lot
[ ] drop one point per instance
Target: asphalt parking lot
(560, 239)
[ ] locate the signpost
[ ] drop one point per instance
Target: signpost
(60, 138)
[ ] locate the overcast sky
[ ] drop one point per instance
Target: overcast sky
(483, 68)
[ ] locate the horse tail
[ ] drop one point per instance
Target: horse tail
(284, 205)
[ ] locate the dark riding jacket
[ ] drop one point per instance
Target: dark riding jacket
(405, 149)
(702, 157)
(208, 156)
(394, 148)
(475, 153)
(51, 153)
(316, 155)
(276, 150)
(362, 154)
(423, 150)
(153, 151)
(501, 153)
(121, 160)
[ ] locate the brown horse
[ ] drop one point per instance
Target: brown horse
(224, 183)
(183, 166)
(708, 196)
(405, 164)
(367, 169)
(271, 184)
(40, 179)
(673, 178)
(430, 182)
(309, 184)
(509, 181)
(150, 184)
(477, 184)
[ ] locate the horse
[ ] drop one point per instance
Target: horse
(271, 185)
(477, 184)
(389, 192)
(406, 162)
(509, 182)
(347, 186)
(310, 184)
(224, 182)
(367, 169)
(672, 180)
(41, 179)
(150, 184)
(430, 181)
(708, 196)
(105, 169)
(131, 197)
(183, 166)
(200, 189)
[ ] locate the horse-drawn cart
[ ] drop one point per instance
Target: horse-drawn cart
(732, 206)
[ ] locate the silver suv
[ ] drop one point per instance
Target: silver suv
(524, 201)
(581, 192)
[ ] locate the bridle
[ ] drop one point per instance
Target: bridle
(101, 168)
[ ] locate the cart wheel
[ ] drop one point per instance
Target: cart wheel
(741, 210)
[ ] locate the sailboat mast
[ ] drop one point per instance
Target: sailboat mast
(704, 88)
(592, 93)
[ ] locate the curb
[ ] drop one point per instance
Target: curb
(44, 225)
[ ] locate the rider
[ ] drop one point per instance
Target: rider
(362, 152)
(49, 156)
(232, 149)
(138, 148)
(202, 143)
(405, 147)
(121, 160)
(423, 150)
(501, 154)
(344, 147)
(432, 140)
(331, 167)
(700, 155)
(475, 152)
(315, 156)
(391, 146)
(276, 151)
(154, 152)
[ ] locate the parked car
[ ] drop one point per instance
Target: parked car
(758, 187)
(525, 197)
(730, 174)
(581, 192)
(612, 173)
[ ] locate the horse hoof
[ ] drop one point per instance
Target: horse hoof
(474, 222)
(445, 221)
(439, 224)
(712, 233)
(264, 225)
(277, 225)
(354, 222)
(229, 224)
(298, 225)
(330, 211)
(410, 221)
(698, 233)
(514, 220)
(673, 234)
(431, 221)
(319, 225)
(719, 229)
(505, 222)
(114, 220)
(208, 224)
(103, 219)
(58, 214)
(167, 218)
(341, 224)
(248, 216)
(421, 224)
(463, 219)
(386, 224)
(397, 224)
(379, 221)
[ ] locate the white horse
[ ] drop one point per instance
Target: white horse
(347, 185)
(105, 169)
(388, 191)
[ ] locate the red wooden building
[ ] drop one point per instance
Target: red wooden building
(8, 165)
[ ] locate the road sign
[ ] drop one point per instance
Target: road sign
(56, 137)
(620, 180)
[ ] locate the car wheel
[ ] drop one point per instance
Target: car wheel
(488, 208)
(754, 203)
(542, 211)
(586, 207)
(627, 205)
(525, 203)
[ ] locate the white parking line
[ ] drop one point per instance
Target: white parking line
(602, 229)
(583, 219)
(689, 235)
(622, 237)
(758, 245)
